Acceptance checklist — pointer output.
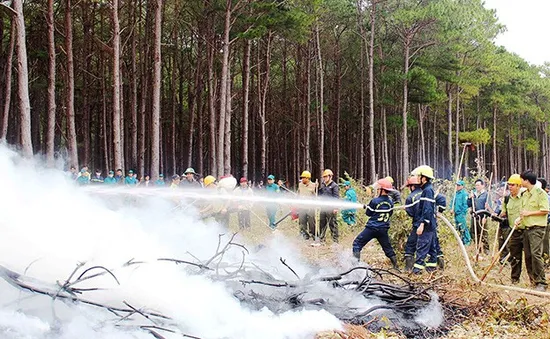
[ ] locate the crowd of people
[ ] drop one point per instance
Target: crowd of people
(520, 206)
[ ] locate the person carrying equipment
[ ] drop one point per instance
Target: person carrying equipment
(379, 211)
(476, 202)
(534, 216)
(410, 247)
(306, 216)
(510, 210)
(425, 222)
(349, 215)
(329, 189)
(460, 209)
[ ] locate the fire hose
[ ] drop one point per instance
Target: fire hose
(465, 254)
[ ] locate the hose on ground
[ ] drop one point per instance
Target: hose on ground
(474, 275)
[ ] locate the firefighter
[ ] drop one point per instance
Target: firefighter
(190, 181)
(425, 222)
(394, 195)
(511, 207)
(329, 189)
(412, 206)
(306, 216)
(378, 224)
(349, 215)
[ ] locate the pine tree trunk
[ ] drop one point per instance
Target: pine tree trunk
(227, 134)
(155, 118)
(117, 128)
(321, 102)
(450, 128)
(223, 89)
(212, 110)
(495, 172)
(7, 91)
(405, 138)
(133, 90)
(371, 92)
(307, 109)
(246, 93)
(50, 135)
(264, 83)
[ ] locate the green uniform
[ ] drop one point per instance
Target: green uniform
(512, 209)
(535, 199)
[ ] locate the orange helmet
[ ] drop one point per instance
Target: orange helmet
(413, 181)
(385, 184)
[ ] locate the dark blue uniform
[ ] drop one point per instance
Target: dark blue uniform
(377, 226)
(426, 244)
(412, 211)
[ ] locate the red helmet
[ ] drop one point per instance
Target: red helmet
(243, 179)
(413, 181)
(384, 184)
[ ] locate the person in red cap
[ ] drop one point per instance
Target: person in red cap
(244, 206)
(379, 211)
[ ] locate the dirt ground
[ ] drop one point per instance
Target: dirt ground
(493, 312)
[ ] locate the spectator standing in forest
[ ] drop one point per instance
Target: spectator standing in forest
(97, 178)
(160, 181)
(306, 216)
(349, 215)
(328, 189)
(130, 179)
(477, 201)
(272, 189)
(244, 190)
(110, 179)
(460, 209)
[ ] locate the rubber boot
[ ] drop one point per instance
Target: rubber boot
(441, 263)
(409, 263)
(394, 262)
(357, 255)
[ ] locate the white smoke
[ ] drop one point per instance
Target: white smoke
(48, 226)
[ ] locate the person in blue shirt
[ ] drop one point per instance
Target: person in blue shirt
(460, 208)
(160, 181)
(379, 211)
(425, 222)
(130, 180)
(412, 204)
(110, 180)
(349, 215)
(477, 201)
(271, 208)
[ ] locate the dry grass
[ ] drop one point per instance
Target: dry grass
(495, 313)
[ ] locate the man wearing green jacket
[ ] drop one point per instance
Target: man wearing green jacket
(460, 209)
(534, 214)
(349, 215)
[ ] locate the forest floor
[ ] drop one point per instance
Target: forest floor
(493, 312)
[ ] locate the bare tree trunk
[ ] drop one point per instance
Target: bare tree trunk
(227, 134)
(117, 128)
(134, 92)
(307, 108)
(457, 129)
(155, 120)
(50, 135)
(386, 158)
(263, 98)
(450, 128)
(405, 138)
(422, 115)
(22, 79)
(321, 102)
(495, 173)
(7, 92)
(212, 110)
(338, 104)
(363, 48)
(246, 93)
(371, 92)
(223, 87)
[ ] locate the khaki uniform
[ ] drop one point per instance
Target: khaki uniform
(535, 199)
(307, 215)
(512, 210)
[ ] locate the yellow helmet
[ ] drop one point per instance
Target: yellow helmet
(327, 172)
(425, 171)
(305, 174)
(514, 179)
(209, 180)
(390, 179)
